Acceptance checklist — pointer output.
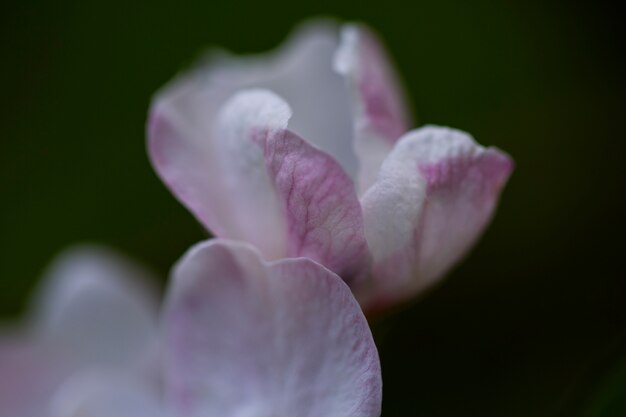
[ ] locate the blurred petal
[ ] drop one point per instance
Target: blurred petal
(284, 339)
(98, 307)
(105, 394)
(180, 131)
(283, 188)
(436, 193)
(29, 376)
(379, 107)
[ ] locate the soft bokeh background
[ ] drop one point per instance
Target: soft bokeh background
(532, 324)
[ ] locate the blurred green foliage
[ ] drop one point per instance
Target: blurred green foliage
(609, 400)
(531, 324)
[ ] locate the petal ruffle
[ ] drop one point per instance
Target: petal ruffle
(283, 339)
(379, 107)
(436, 193)
(183, 114)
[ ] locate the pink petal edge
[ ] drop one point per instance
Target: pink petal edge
(437, 192)
(323, 216)
(379, 107)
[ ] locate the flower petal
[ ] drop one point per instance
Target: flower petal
(436, 193)
(29, 375)
(283, 339)
(298, 193)
(106, 394)
(98, 307)
(180, 130)
(380, 112)
(91, 311)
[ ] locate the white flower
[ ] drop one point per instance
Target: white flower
(281, 176)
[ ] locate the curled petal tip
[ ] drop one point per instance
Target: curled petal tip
(437, 191)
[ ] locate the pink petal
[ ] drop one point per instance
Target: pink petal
(302, 191)
(379, 106)
(97, 307)
(249, 338)
(182, 143)
(436, 193)
(29, 376)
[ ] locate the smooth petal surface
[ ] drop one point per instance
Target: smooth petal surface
(106, 394)
(299, 194)
(29, 376)
(379, 107)
(95, 306)
(181, 140)
(436, 193)
(282, 339)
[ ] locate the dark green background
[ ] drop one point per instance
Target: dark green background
(532, 324)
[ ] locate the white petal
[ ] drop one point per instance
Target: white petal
(106, 394)
(255, 213)
(287, 197)
(284, 339)
(181, 141)
(98, 307)
(436, 193)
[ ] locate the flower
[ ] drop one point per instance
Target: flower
(240, 337)
(94, 318)
(225, 141)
